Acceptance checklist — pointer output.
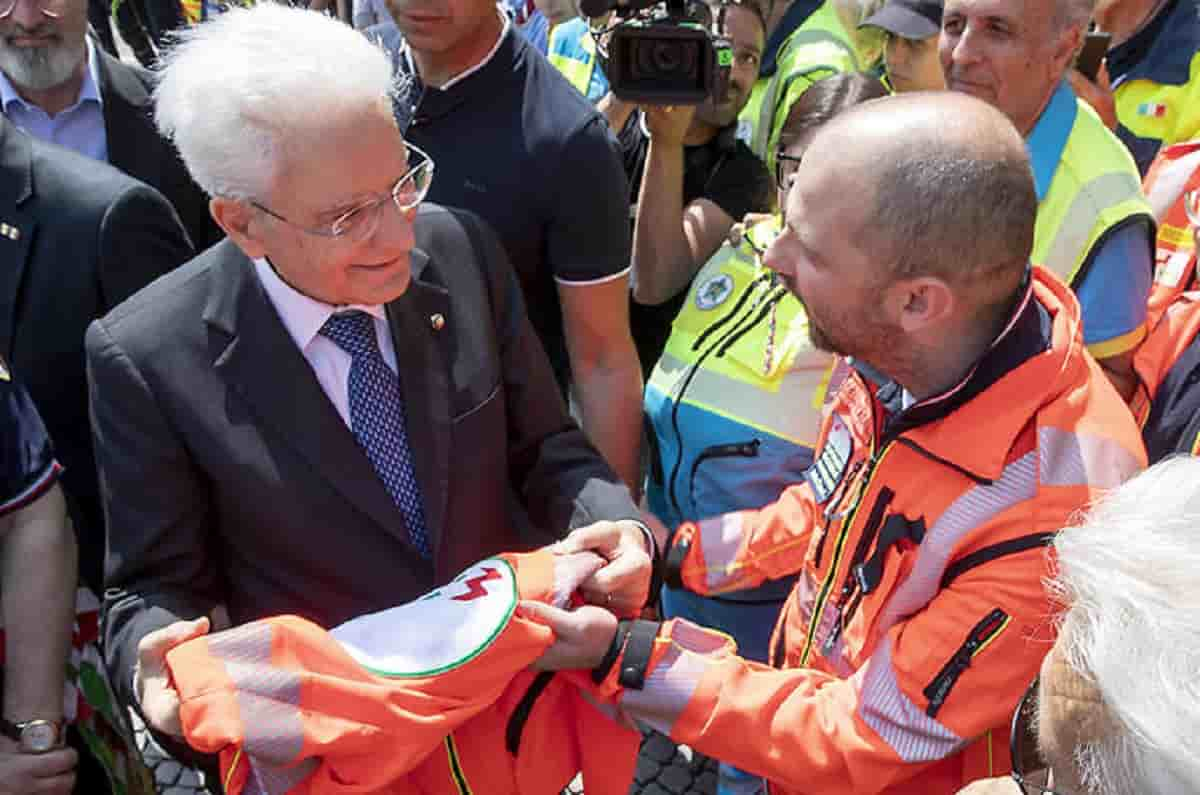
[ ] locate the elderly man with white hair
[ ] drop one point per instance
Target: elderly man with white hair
(1116, 710)
(343, 403)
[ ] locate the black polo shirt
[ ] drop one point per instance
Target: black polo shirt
(725, 172)
(515, 143)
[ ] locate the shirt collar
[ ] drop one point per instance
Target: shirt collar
(1049, 135)
(302, 316)
(89, 90)
(461, 76)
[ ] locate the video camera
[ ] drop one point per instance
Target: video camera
(662, 53)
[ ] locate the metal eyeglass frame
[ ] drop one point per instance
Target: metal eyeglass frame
(339, 228)
(1016, 742)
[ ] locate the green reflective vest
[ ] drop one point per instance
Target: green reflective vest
(577, 65)
(817, 49)
(1095, 189)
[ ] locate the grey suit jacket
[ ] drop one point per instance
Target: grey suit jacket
(77, 237)
(229, 476)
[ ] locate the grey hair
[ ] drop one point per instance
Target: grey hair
(233, 92)
(1130, 575)
(1073, 13)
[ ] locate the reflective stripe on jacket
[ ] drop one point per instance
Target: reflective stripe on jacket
(1095, 190)
(433, 696)
(919, 617)
(817, 49)
(1174, 174)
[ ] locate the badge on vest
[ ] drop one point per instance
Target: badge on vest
(442, 630)
(826, 472)
(714, 291)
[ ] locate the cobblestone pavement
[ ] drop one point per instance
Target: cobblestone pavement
(170, 777)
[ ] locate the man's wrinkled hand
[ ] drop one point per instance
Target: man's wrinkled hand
(1003, 785)
(158, 699)
(581, 636)
(623, 583)
(51, 773)
(1098, 94)
(668, 124)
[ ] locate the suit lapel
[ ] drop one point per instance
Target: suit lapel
(17, 224)
(419, 338)
(262, 364)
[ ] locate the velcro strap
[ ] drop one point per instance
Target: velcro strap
(636, 659)
(673, 565)
(600, 672)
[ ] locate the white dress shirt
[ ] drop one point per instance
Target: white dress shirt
(303, 318)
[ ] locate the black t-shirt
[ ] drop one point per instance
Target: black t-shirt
(725, 172)
(27, 465)
(515, 143)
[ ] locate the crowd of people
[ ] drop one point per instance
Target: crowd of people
(396, 406)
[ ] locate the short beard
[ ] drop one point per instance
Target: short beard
(39, 68)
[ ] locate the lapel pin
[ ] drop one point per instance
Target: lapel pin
(10, 231)
(437, 321)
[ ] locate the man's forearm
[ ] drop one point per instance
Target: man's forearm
(609, 396)
(662, 259)
(38, 569)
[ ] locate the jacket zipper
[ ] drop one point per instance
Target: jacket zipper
(980, 636)
(686, 381)
(849, 584)
(735, 450)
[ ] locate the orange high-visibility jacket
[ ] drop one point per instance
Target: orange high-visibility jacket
(919, 617)
(1174, 173)
(430, 697)
(1173, 428)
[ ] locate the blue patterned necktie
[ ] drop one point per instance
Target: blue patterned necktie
(377, 417)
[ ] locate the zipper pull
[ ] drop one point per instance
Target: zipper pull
(834, 634)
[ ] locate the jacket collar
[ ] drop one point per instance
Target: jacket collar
(16, 160)
(1162, 51)
(796, 15)
(1042, 345)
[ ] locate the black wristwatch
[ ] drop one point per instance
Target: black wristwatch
(33, 736)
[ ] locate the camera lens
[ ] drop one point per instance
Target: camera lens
(667, 58)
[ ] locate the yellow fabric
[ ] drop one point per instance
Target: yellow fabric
(817, 49)
(1181, 119)
(1095, 188)
(577, 72)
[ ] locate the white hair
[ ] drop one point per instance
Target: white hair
(235, 90)
(1130, 574)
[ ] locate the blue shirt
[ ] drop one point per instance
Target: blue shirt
(1114, 289)
(79, 127)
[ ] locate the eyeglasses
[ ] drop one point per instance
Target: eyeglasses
(1030, 771)
(362, 221)
(49, 8)
(785, 169)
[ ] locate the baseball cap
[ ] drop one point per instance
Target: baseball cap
(909, 19)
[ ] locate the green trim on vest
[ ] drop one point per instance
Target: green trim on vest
(1095, 189)
(820, 45)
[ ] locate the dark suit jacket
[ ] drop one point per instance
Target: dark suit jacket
(135, 147)
(87, 237)
(229, 476)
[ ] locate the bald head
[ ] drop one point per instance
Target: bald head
(951, 186)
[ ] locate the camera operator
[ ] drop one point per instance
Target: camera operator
(693, 180)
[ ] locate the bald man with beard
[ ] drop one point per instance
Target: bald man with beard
(971, 427)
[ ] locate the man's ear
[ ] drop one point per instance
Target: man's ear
(1066, 48)
(916, 305)
(238, 221)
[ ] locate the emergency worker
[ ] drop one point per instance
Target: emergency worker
(1094, 228)
(910, 48)
(971, 428)
(572, 50)
(1154, 64)
(734, 402)
(1167, 402)
(808, 43)
(1173, 189)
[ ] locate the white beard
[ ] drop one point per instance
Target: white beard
(40, 68)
